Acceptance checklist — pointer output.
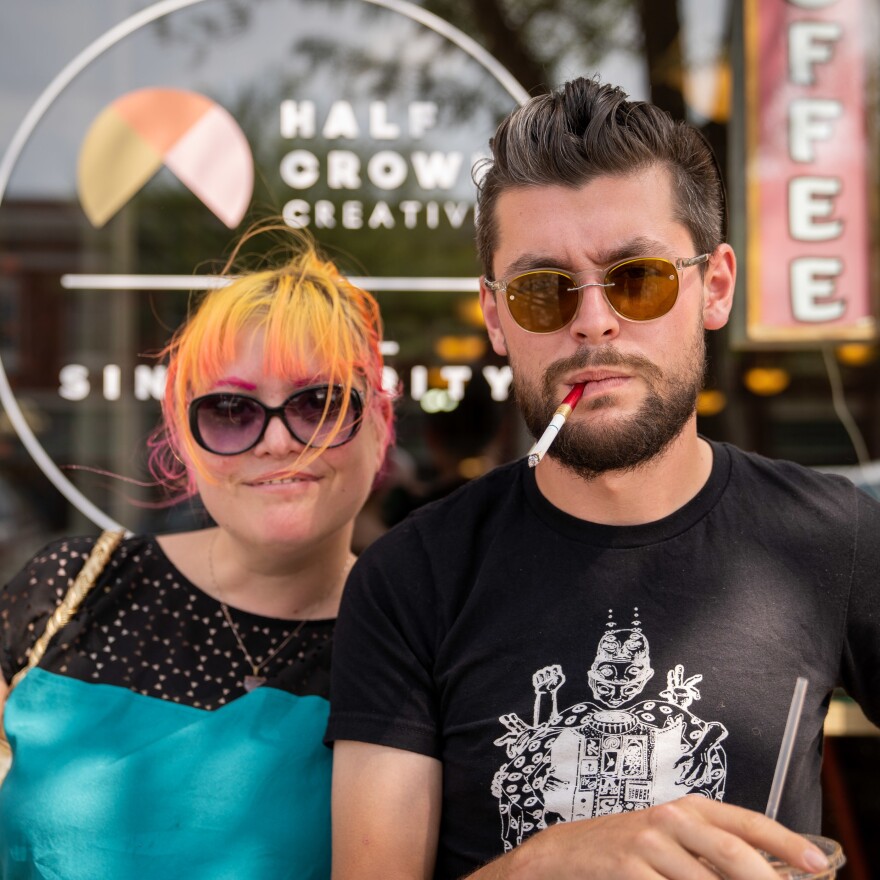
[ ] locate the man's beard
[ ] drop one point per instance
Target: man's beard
(592, 447)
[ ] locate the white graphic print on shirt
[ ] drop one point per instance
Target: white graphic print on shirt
(608, 756)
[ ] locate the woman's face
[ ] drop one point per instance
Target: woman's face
(252, 495)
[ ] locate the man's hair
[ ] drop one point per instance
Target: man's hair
(586, 129)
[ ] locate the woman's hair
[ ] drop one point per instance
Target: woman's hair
(314, 325)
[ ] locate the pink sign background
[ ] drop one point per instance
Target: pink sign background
(800, 289)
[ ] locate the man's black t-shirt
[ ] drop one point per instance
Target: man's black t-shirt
(561, 669)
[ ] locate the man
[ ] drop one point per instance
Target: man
(584, 670)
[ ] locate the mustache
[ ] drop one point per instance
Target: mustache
(608, 356)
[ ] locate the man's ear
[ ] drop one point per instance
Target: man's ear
(489, 305)
(718, 285)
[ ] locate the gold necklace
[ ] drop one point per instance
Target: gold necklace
(255, 679)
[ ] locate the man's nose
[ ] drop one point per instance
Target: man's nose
(595, 322)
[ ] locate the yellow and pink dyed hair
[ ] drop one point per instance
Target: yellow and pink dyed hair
(311, 319)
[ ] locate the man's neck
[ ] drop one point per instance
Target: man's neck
(624, 498)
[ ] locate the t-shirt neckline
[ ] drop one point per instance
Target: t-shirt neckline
(638, 535)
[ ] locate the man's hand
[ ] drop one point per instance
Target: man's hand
(386, 819)
(679, 840)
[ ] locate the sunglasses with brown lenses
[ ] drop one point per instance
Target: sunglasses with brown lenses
(639, 289)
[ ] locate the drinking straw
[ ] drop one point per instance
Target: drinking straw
(785, 750)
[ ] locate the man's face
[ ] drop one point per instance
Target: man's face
(642, 377)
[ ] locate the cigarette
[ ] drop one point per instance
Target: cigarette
(563, 411)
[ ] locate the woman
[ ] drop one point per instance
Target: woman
(173, 728)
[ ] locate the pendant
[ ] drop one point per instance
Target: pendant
(253, 681)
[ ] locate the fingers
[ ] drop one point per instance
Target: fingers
(689, 839)
(728, 836)
(622, 846)
(715, 847)
(655, 853)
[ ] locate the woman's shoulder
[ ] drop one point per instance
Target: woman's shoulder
(49, 572)
(58, 558)
(30, 596)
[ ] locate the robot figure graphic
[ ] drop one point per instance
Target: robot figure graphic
(608, 756)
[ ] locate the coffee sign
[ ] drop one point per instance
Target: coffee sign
(809, 219)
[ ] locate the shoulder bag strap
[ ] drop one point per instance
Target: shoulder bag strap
(79, 589)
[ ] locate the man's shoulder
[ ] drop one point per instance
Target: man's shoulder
(810, 488)
(474, 497)
(761, 466)
(467, 510)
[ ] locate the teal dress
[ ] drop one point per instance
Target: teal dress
(137, 753)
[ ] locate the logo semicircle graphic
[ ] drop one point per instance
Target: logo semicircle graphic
(191, 135)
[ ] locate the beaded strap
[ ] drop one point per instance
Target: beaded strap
(79, 589)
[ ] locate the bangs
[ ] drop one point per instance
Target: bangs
(315, 339)
(308, 332)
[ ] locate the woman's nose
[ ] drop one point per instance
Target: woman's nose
(277, 438)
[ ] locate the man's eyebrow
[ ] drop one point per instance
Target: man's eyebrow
(641, 246)
(525, 262)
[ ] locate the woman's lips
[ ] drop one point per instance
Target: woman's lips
(283, 481)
